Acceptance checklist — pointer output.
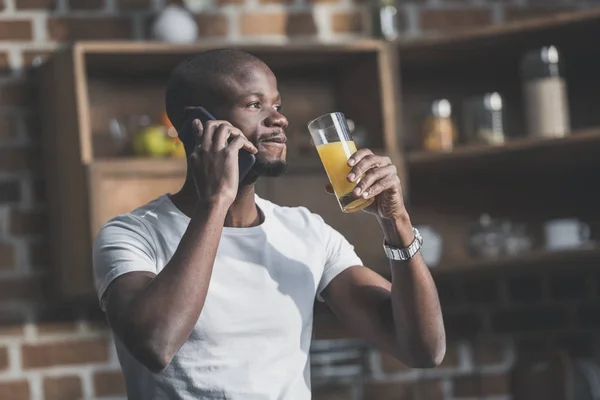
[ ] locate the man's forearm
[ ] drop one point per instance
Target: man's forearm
(163, 315)
(416, 309)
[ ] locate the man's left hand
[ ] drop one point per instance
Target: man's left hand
(377, 177)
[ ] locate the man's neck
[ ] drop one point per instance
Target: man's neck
(242, 213)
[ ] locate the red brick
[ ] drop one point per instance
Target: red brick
(7, 254)
(425, 389)
(332, 329)
(16, 30)
(64, 353)
(276, 2)
(20, 158)
(21, 288)
(86, 4)
(272, 23)
(4, 362)
(481, 385)
(29, 222)
(39, 254)
(512, 13)
(63, 388)
(15, 94)
(332, 392)
(454, 20)
(90, 28)
(57, 319)
(8, 129)
(277, 23)
(14, 390)
(109, 383)
(10, 192)
(228, 2)
(11, 323)
(538, 319)
(587, 316)
(489, 352)
(128, 5)
(569, 286)
(347, 22)
(35, 4)
(461, 324)
(212, 25)
(39, 190)
(391, 364)
(576, 344)
(481, 291)
(301, 24)
(4, 63)
(526, 289)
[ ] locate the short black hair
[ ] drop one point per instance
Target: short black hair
(198, 80)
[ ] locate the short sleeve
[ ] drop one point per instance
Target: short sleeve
(339, 255)
(124, 244)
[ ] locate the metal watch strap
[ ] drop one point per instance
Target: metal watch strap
(407, 253)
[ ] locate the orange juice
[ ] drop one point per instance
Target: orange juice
(334, 157)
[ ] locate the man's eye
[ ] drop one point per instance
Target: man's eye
(279, 108)
(255, 104)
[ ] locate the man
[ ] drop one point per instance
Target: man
(210, 291)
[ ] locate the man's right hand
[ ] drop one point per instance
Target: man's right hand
(214, 161)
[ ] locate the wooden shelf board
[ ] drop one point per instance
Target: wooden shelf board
(136, 165)
(522, 27)
(497, 45)
(578, 150)
(154, 47)
(541, 260)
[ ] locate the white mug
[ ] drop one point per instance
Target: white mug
(432, 245)
(566, 233)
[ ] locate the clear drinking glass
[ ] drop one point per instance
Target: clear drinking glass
(331, 136)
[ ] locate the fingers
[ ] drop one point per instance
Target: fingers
(197, 130)
(371, 179)
(221, 134)
(240, 142)
(364, 160)
(387, 183)
(208, 135)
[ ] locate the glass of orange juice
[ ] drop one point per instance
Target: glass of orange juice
(331, 136)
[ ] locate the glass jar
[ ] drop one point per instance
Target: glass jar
(384, 15)
(438, 131)
(545, 93)
(484, 119)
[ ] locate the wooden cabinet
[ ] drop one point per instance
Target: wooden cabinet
(88, 84)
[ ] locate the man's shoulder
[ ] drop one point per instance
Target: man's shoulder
(141, 217)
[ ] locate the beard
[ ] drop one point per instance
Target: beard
(267, 168)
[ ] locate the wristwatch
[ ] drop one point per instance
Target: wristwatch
(407, 253)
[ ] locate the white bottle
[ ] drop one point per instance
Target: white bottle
(175, 24)
(545, 94)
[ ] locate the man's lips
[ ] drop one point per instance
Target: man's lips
(276, 140)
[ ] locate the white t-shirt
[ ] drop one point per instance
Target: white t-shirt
(253, 336)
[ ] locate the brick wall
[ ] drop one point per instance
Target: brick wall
(52, 352)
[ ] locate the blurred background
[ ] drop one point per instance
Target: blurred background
(489, 109)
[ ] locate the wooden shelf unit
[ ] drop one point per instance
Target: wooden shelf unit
(377, 85)
(87, 84)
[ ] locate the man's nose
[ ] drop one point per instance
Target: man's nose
(276, 119)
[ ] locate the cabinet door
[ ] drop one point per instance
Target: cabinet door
(117, 189)
(361, 229)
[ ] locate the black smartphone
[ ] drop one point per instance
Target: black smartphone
(245, 159)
